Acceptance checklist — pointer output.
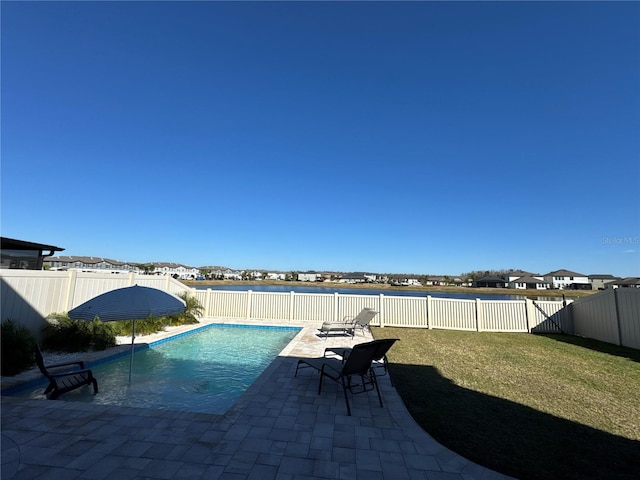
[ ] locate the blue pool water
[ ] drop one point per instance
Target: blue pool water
(205, 371)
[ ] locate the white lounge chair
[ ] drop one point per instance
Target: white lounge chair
(349, 325)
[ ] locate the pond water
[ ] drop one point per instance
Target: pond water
(367, 291)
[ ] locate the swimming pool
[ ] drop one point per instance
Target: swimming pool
(205, 370)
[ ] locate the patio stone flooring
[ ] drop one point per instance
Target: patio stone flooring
(279, 429)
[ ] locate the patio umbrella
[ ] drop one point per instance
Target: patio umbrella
(129, 303)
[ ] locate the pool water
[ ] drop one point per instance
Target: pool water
(204, 371)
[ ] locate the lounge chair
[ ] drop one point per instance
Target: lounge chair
(379, 360)
(349, 325)
(358, 363)
(64, 381)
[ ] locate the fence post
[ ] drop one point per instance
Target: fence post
(381, 311)
(72, 280)
(132, 278)
(335, 306)
(248, 315)
(616, 307)
(479, 314)
(292, 295)
(207, 302)
(529, 314)
(429, 305)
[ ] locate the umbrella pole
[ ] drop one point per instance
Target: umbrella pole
(133, 336)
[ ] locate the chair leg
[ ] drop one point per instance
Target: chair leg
(95, 386)
(375, 383)
(321, 380)
(346, 396)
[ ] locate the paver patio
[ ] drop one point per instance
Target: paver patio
(279, 429)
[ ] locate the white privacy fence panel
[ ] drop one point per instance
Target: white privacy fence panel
(500, 316)
(28, 296)
(351, 305)
(402, 312)
(269, 306)
(595, 317)
(611, 316)
(26, 299)
(313, 307)
(86, 288)
(452, 314)
(628, 306)
(219, 304)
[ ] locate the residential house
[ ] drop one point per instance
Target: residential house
(461, 282)
(512, 276)
(489, 282)
(598, 281)
(566, 279)
(276, 276)
(354, 277)
(525, 280)
(20, 254)
(90, 264)
(229, 274)
(176, 270)
(308, 276)
(528, 282)
(628, 282)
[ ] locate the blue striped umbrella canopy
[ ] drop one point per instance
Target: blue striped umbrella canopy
(129, 303)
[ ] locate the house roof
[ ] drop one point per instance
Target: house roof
(520, 273)
(87, 260)
(602, 277)
(13, 244)
(564, 273)
(527, 279)
(490, 279)
(626, 281)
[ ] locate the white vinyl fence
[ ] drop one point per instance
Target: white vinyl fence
(611, 316)
(29, 296)
(394, 311)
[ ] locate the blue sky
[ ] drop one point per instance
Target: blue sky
(395, 137)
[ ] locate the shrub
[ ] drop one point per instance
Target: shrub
(66, 335)
(18, 345)
(192, 311)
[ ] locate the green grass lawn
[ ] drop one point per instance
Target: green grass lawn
(530, 406)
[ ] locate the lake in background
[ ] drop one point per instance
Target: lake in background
(366, 291)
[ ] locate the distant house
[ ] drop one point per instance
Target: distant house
(566, 279)
(354, 277)
(489, 282)
(176, 270)
(276, 276)
(308, 276)
(598, 281)
(20, 254)
(525, 280)
(435, 280)
(229, 274)
(90, 264)
(628, 282)
(528, 282)
(461, 282)
(512, 276)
